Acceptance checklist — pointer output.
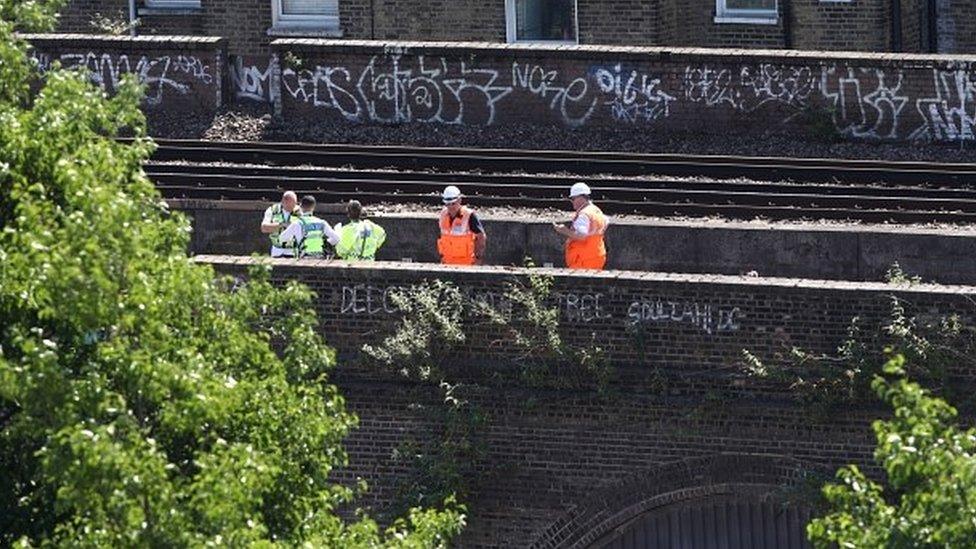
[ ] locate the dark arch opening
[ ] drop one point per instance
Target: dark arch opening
(696, 490)
(741, 518)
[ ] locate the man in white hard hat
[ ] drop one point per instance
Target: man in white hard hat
(276, 219)
(463, 237)
(585, 248)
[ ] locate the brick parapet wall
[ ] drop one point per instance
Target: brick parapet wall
(179, 72)
(876, 96)
(688, 323)
(564, 465)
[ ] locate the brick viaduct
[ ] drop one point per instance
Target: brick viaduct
(684, 440)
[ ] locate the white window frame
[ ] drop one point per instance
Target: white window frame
(724, 14)
(280, 20)
(511, 26)
(172, 4)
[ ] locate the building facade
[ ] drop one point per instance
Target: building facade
(944, 26)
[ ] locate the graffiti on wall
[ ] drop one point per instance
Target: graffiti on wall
(860, 102)
(950, 112)
(633, 96)
(864, 102)
(392, 89)
(251, 81)
(159, 74)
(574, 307)
(750, 87)
(706, 317)
(572, 101)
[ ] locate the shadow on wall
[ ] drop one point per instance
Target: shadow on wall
(846, 253)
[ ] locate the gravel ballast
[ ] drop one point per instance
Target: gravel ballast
(254, 122)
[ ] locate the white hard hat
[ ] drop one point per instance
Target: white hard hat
(451, 193)
(579, 189)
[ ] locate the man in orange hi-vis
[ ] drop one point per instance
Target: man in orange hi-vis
(463, 238)
(584, 236)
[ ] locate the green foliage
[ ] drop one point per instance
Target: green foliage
(115, 24)
(819, 123)
(428, 329)
(532, 340)
(930, 464)
(142, 403)
(443, 465)
(896, 275)
(826, 383)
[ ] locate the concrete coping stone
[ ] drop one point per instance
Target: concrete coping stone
(374, 47)
(621, 276)
(103, 40)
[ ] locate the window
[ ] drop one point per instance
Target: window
(172, 4)
(306, 13)
(541, 20)
(746, 11)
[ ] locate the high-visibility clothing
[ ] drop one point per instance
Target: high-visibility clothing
(279, 216)
(589, 252)
(456, 244)
(313, 236)
(360, 240)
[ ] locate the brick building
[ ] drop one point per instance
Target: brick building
(945, 26)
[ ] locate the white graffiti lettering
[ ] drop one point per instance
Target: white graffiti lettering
(950, 114)
(633, 96)
(706, 317)
(583, 307)
(251, 82)
(158, 74)
(570, 100)
(858, 114)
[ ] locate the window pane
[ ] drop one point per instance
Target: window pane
(769, 5)
(545, 20)
(309, 7)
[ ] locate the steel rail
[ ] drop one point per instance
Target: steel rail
(571, 162)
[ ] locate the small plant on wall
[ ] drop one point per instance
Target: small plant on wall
(827, 382)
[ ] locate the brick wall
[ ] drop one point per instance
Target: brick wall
(563, 466)
(859, 25)
(180, 72)
(862, 95)
(957, 26)
(694, 25)
(621, 22)
(914, 36)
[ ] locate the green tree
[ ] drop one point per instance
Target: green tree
(930, 465)
(145, 402)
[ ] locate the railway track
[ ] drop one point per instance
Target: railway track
(907, 192)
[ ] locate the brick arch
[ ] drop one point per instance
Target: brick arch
(694, 478)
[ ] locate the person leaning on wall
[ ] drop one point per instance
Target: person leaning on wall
(308, 233)
(360, 238)
(585, 248)
(276, 219)
(463, 239)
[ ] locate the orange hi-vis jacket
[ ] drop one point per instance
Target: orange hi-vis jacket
(589, 252)
(456, 244)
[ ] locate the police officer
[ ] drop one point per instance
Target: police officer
(308, 232)
(585, 248)
(276, 219)
(463, 239)
(360, 238)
